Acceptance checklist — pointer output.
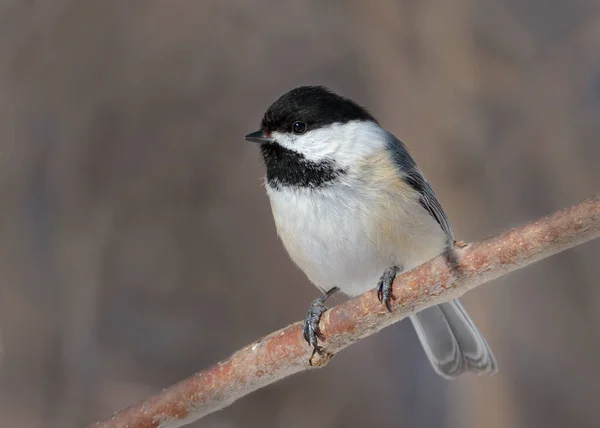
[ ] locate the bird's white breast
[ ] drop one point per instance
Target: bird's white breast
(347, 234)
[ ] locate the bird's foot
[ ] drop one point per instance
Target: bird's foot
(311, 329)
(384, 286)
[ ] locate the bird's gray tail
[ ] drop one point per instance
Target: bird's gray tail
(452, 342)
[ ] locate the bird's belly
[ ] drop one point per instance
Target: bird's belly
(331, 241)
(342, 238)
(334, 252)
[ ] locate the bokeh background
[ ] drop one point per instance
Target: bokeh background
(136, 240)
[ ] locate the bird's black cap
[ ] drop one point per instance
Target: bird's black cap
(316, 106)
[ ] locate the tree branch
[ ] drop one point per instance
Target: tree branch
(285, 352)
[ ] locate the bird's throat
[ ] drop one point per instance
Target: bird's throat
(287, 168)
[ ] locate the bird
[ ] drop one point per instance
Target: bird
(353, 210)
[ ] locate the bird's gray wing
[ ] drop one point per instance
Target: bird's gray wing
(449, 337)
(417, 181)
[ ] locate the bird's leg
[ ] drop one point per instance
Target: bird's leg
(311, 323)
(384, 286)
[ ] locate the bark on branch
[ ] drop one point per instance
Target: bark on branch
(284, 352)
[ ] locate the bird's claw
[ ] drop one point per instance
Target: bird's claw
(384, 286)
(310, 329)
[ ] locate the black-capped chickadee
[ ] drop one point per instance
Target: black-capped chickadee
(353, 210)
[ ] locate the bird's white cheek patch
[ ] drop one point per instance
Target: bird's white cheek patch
(342, 143)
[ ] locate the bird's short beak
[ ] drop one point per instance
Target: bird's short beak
(258, 137)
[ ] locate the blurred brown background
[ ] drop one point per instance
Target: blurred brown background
(136, 240)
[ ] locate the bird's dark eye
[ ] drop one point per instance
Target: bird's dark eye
(299, 127)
